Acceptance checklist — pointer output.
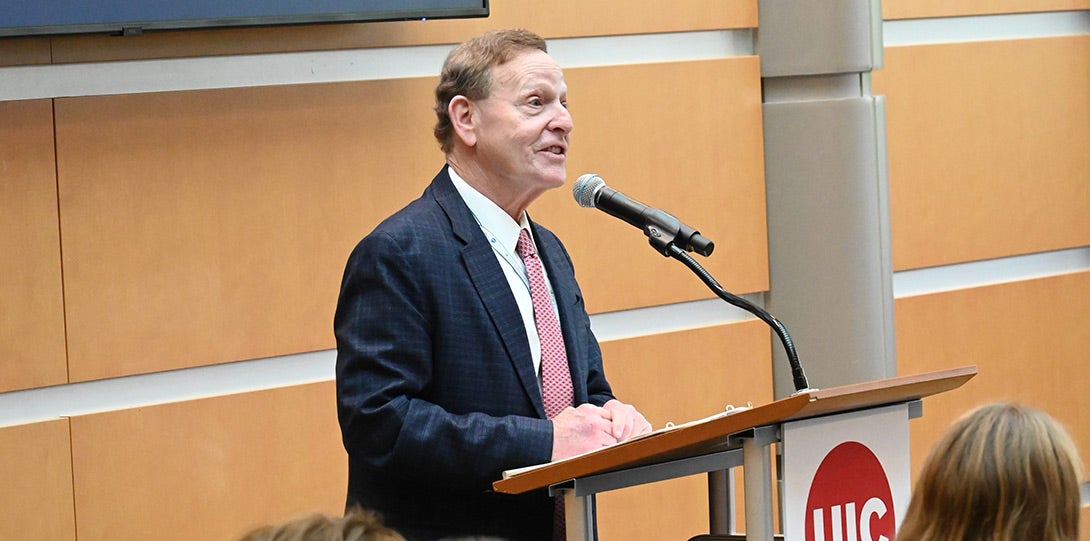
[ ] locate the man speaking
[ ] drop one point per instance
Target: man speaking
(463, 345)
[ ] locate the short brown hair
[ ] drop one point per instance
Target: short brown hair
(468, 68)
(355, 525)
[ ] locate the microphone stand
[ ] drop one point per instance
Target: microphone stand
(797, 373)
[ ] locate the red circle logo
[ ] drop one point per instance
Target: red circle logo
(850, 498)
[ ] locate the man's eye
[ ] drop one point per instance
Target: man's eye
(536, 102)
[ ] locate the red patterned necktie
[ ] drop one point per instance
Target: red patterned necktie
(556, 386)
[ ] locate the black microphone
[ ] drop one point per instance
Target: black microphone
(661, 228)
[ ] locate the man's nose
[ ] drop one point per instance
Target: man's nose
(562, 120)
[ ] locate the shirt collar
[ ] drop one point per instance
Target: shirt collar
(490, 216)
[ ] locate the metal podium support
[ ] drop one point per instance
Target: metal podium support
(749, 449)
(757, 476)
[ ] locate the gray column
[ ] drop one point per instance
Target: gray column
(828, 219)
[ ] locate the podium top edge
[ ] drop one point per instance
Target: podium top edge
(944, 379)
(881, 392)
(712, 435)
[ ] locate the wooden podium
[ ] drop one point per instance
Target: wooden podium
(714, 446)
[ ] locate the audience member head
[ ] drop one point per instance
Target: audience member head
(1003, 472)
(355, 525)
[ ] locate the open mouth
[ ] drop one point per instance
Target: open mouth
(555, 149)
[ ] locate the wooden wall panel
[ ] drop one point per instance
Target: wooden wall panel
(36, 491)
(1084, 524)
(671, 509)
(32, 344)
(700, 157)
(208, 469)
(917, 9)
(562, 18)
(988, 148)
(212, 226)
(680, 377)
(24, 51)
(1028, 339)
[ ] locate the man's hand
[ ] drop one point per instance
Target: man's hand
(627, 421)
(588, 427)
(582, 429)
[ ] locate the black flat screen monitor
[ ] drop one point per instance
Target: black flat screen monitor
(59, 17)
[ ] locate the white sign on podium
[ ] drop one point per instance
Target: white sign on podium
(846, 477)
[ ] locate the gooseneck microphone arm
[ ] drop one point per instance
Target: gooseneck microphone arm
(797, 374)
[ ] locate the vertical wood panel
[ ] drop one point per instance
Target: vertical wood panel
(916, 9)
(1084, 524)
(561, 18)
(32, 348)
(210, 468)
(204, 227)
(24, 51)
(1028, 339)
(36, 491)
(671, 509)
(680, 377)
(989, 148)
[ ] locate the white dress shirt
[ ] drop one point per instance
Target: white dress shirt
(503, 233)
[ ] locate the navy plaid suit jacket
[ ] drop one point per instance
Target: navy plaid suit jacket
(436, 390)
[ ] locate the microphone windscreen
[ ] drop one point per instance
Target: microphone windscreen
(586, 189)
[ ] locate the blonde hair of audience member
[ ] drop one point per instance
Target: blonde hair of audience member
(1003, 472)
(355, 525)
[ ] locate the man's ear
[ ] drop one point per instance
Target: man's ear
(463, 117)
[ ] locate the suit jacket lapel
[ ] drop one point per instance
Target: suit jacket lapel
(491, 285)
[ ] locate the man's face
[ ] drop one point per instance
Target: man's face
(525, 125)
